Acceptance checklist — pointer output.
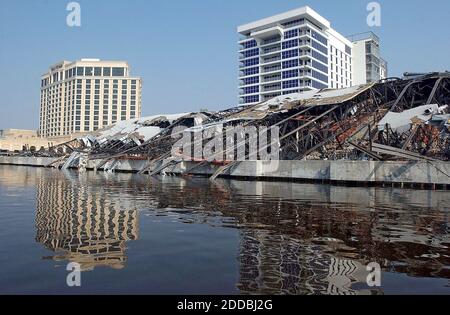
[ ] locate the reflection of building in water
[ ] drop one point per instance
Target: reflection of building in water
(276, 264)
(81, 225)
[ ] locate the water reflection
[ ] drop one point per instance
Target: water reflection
(80, 225)
(294, 238)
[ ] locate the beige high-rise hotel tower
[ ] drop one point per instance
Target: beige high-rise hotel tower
(87, 95)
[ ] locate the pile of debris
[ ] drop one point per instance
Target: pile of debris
(395, 119)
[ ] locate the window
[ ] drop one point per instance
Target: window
(97, 71)
(251, 71)
(319, 38)
(290, 84)
(88, 71)
(291, 33)
(251, 53)
(251, 62)
(251, 89)
(251, 99)
(290, 64)
(290, 74)
(290, 53)
(290, 44)
(320, 57)
(252, 80)
(249, 44)
(348, 50)
(318, 85)
(320, 47)
(118, 72)
(107, 72)
(294, 23)
(319, 66)
(320, 76)
(80, 71)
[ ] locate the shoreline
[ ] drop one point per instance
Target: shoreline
(401, 174)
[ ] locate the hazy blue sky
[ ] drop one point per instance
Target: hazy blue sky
(186, 50)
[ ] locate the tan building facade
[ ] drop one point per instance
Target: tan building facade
(19, 139)
(87, 95)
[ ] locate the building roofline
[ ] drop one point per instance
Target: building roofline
(306, 10)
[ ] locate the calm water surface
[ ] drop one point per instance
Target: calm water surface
(136, 234)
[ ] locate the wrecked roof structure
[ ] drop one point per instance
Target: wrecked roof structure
(395, 119)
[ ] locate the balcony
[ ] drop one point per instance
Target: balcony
(271, 69)
(271, 59)
(243, 57)
(270, 96)
(242, 66)
(305, 54)
(268, 33)
(266, 51)
(272, 88)
(305, 43)
(271, 79)
(271, 41)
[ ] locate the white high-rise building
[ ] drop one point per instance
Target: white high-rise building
(367, 62)
(292, 52)
(87, 95)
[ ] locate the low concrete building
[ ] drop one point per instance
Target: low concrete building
(19, 139)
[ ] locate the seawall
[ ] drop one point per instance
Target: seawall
(434, 175)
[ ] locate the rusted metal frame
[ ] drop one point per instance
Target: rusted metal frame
(433, 92)
(390, 150)
(403, 93)
(281, 138)
(335, 136)
(414, 130)
(364, 150)
(237, 145)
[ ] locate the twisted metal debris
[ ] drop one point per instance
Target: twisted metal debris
(394, 119)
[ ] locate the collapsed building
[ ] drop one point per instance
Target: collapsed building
(391, 120)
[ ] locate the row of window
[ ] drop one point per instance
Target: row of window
(319, 57)
(294, 23)
(73, 72)
(290, 84)
(320, 47)
(251, 62)
(318, 85)
(319, 38)
(251, 89)
(290, 43)
(251, 80)
(290, 74)
(251, 71)
(251, 99)
(320, 76)
(319, 66)
(250, 44)
(291, 33)
(290, 64)
(250, 53)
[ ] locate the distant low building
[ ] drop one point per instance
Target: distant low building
(87, 95)
(20, 139)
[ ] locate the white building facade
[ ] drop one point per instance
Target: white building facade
(367, 62)
(87, 95)
(292, 52)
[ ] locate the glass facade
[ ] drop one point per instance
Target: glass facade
(295, 59)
